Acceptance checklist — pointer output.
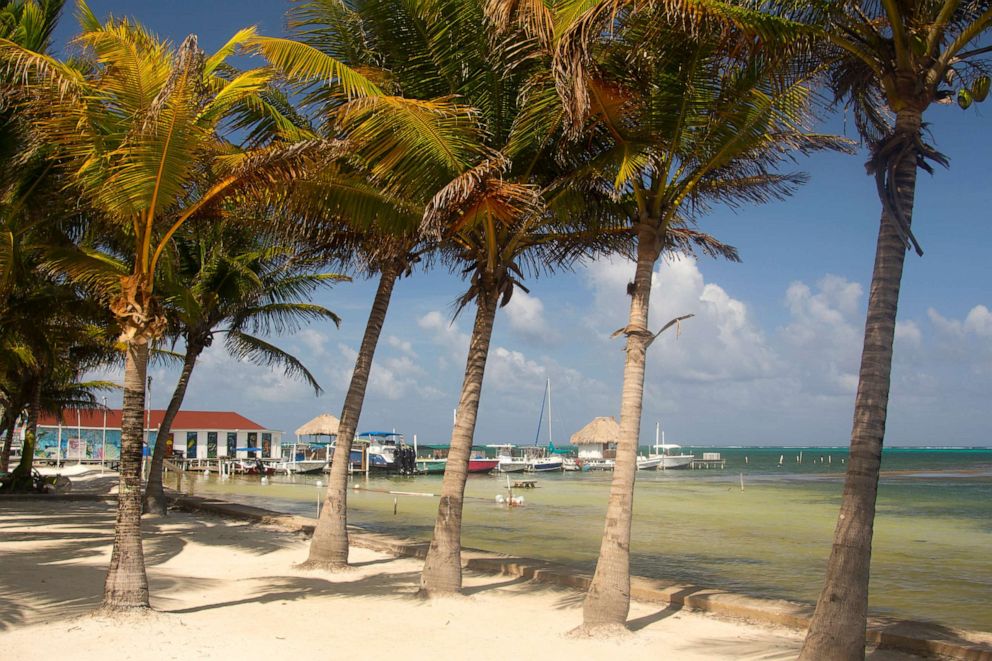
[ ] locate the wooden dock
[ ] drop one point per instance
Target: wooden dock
(708, 463)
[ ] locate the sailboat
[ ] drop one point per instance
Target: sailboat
(539, 460)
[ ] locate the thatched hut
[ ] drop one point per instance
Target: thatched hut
(324, 424)
(598, 439)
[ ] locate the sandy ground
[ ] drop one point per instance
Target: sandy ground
(225, 589)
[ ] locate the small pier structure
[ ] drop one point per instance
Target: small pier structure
(709, 460)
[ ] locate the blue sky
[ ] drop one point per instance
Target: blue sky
(770, 358)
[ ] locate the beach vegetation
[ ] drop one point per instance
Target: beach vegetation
(219, 279)
(687, 106)
(890, 62)
(136, 123)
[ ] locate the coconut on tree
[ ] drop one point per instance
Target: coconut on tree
(890, 62)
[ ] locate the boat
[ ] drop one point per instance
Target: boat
(508, 463)
(546, 465)
(667, 455)
(388, 452)
(479, 463)
(431, 466)
(571, 464)
(648, 463)
(253, 467)
(540, 459)
(597, 464)
(300, 459)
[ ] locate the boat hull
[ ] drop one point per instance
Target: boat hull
(675, 462)
(482, 465)
(545, 466)
(648, 463)
(431, 466)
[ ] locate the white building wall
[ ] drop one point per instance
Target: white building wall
(591, 450)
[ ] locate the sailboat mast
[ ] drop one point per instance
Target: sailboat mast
(550, 441)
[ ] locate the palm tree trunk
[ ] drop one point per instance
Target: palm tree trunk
(154, 502)
(7, 427)
(608, 600)
(442, 571)
(22, 480)
(837, 630)
(329, 547)
(126, 587)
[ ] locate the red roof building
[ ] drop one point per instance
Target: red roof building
(93, 418)
(96, 434)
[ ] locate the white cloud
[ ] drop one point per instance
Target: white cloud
(313, 341)
(823, 338)
(979, 321)
(966, 343)
(447, 335)
(720, 342)
(908, 335)
(402, 345)
(512, 371)
(525, 316)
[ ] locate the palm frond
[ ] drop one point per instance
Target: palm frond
(264, 354)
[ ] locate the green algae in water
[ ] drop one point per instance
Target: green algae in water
(933, 526)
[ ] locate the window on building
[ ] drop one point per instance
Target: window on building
(191, 445)
(252, 443)
(211, 445)
(266, 445)
(232, 444)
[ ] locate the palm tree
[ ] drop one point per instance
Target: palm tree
(42, 356)
(890, 58)
(363, 82)
(678, 121)
(29, 24)
(136, 122)
(223, 276)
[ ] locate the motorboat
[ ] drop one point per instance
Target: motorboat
(508, 463)
(301, 459)
(664, 456)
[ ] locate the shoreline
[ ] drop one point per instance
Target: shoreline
(788, 618)
(914, 637)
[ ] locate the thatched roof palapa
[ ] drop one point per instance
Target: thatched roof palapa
(600, 430)
(324, 424)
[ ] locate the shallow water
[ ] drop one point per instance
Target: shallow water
(933, 530)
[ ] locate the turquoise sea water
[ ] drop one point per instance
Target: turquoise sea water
(932, 556)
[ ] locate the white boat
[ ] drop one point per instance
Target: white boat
(648, 463)
(508, 463)
(300, 467)
(570, 464)
(597, 464)
(299, 459)
(665, 456)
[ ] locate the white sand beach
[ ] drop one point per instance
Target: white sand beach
(225, 589)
